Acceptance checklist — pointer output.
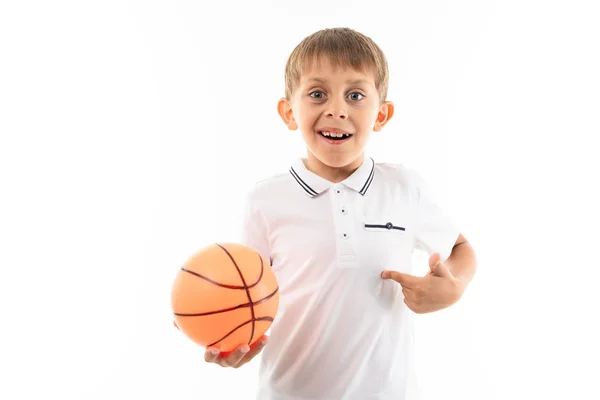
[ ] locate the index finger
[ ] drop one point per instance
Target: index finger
(256, 348)
(405, 280)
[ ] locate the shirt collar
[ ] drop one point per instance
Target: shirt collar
(313, 185)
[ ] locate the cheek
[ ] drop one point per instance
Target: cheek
(371, 116)
(306, 118)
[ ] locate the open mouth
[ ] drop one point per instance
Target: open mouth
(334, 136)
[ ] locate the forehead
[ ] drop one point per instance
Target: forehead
(322, 70)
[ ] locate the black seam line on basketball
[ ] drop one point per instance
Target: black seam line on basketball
(239, 326)
(230, 308)
(245, 286)
(385, 227)
(262, 268)
(303, 184)
(369, 179)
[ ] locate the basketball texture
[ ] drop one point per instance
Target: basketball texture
(225, 295)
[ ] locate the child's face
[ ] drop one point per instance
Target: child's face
(327, 102)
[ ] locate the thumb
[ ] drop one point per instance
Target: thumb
(434, 260)
(439, 268)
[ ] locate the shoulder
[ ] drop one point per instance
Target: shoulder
(263, 192)
(264, 188)
(399, 174)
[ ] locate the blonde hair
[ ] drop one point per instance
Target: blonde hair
(343, 47)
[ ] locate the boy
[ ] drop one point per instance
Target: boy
(339, 230)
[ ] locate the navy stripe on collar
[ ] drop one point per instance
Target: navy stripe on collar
(369, 179)
(310, 191)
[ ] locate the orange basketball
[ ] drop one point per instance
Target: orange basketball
(225, 295)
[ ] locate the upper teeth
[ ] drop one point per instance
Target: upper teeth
(333, 134)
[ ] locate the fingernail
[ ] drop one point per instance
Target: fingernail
(214, 351)
(264, 341)
(244, 349)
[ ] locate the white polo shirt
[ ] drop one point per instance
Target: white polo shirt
(341, 331)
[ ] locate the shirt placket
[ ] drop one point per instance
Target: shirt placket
(344, 220)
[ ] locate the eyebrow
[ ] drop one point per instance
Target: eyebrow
(355, 82)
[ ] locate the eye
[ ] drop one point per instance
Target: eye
(316, 92)
(353, 96)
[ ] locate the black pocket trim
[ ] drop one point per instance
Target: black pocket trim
(388, 226)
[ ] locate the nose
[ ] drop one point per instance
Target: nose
(337, 109)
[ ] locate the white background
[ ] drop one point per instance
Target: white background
(132, 130)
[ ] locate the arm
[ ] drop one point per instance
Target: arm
(462, 261)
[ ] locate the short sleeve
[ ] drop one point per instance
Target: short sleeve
(435, 231)
(254, 231)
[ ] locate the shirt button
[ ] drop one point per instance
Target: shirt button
(338, 191)
(344, 212)
(345, 235)
(389, 225)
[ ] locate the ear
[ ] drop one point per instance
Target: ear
(284, 109)
(386, 112)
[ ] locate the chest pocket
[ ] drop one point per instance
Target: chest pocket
(387, 241)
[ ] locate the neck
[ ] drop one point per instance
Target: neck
(334, 174)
